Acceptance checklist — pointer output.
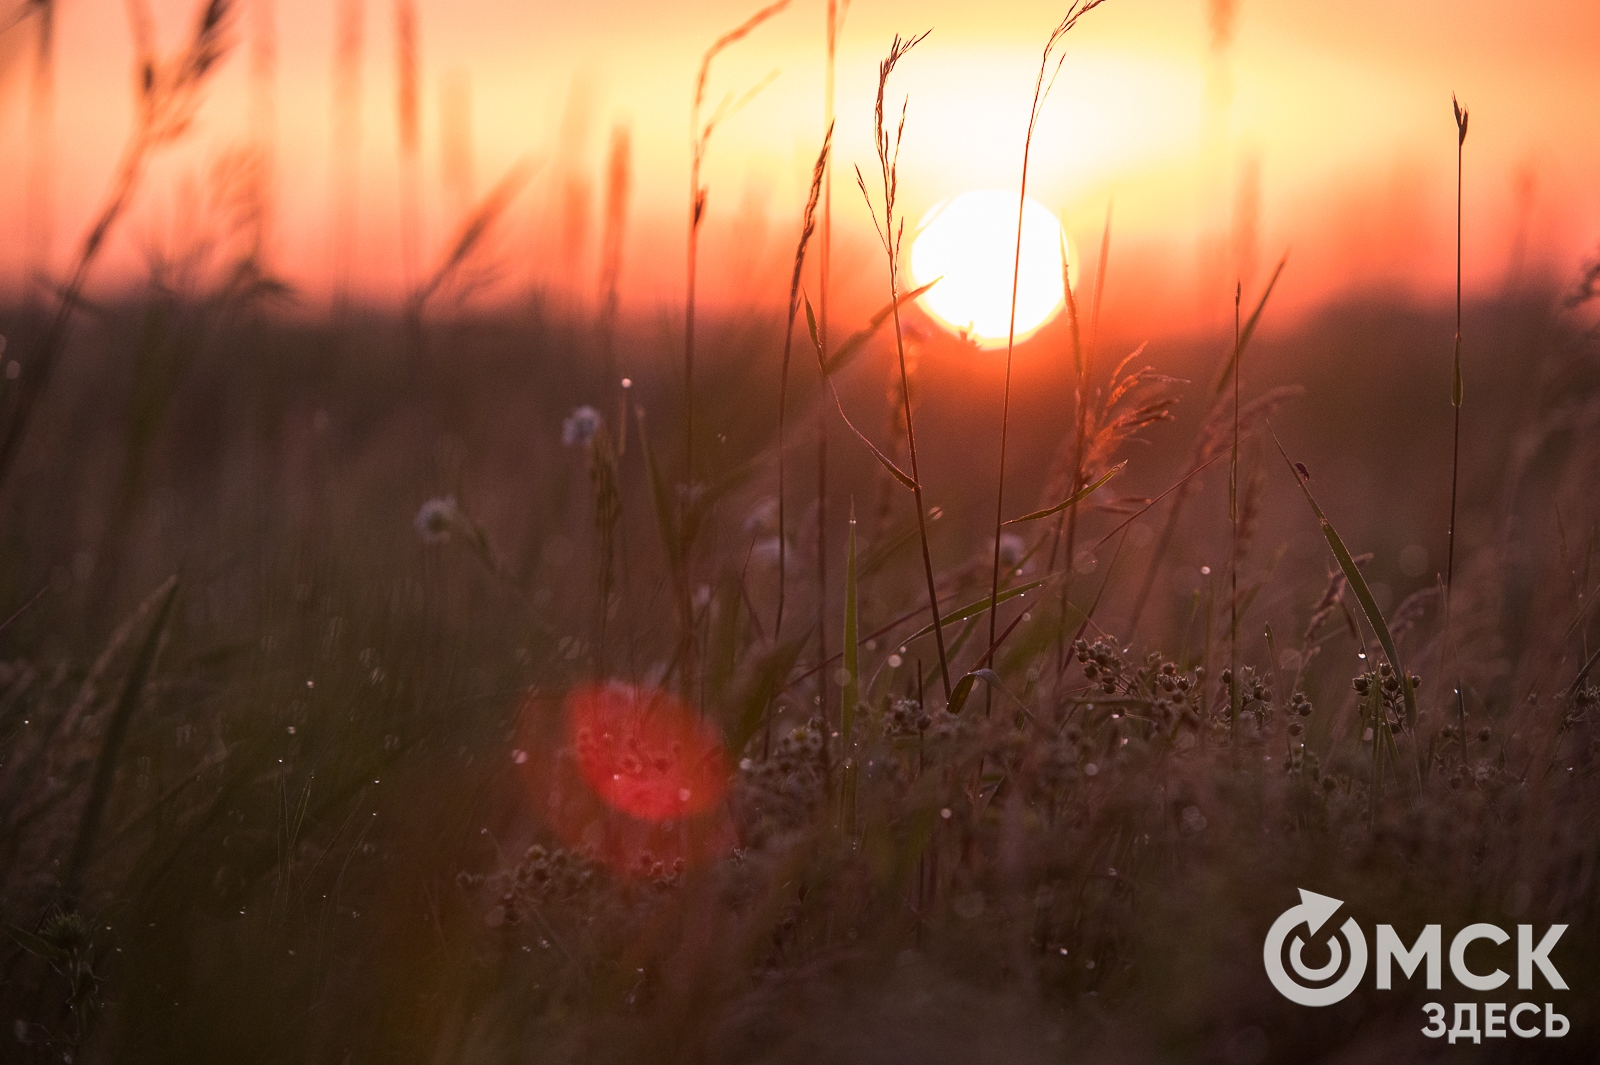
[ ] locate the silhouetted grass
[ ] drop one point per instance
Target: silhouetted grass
(332, 801)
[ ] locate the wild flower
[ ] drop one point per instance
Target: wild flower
(782, 791)
(437, 519)
(580, 427)
(905, 717)
(541, 877)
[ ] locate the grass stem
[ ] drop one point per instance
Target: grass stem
(1040, 91)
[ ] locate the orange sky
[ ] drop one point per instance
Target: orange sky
(1332, 119)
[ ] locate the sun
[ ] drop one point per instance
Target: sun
(969, 242)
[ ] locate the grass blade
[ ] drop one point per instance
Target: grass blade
(963, 690)
(1245, 334)
(111, 745)
(1077, 497)
(770, 679)
(1358, 584)
(975, 608)
(847, 351)
(808, 225)
(852, 653)
(666, 519)
(895, 471)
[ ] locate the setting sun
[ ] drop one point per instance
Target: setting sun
(969, 243)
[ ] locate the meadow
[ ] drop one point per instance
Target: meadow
(404, 684)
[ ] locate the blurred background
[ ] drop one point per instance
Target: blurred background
(1225, 132)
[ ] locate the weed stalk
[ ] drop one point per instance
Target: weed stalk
(700, 132)
(169, 96)
(890, 236)
(1041, 90)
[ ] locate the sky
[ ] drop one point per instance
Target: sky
(1220, 136)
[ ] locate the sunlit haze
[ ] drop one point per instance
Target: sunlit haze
(1225, 135)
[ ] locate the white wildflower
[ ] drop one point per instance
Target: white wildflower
(580, 427)
(437, 519)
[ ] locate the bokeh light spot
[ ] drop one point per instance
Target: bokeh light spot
(645, 752)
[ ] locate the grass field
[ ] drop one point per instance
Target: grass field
(376, 686)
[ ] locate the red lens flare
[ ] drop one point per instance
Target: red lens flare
(645, 752)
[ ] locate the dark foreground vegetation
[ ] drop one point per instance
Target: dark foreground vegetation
(302, 623)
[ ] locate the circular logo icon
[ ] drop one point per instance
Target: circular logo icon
(1321, 985)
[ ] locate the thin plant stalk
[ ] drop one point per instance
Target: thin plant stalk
(808, 226)
(111, 745)
(1040, 91)
(349, 36)
(1456, 395)
(619, 180)
(1456, 384)
(406, 118)
(169, 95)
(1198, 449)
(1083, 356)
(699, 141)
(1083, 362)
(264, 125)
(41, 136)
(890, 237)
(1233, 520)
(836, 16)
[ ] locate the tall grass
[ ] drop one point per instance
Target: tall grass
(344, 110)
(701, 128)
(1040, 90)
(1234, 678)
(458, 170)
(470, 240)
(576, 190)
(169, 94)
(1210, 438)
(808, 225)
(409, 140)
(619, 184)
(837, 13)
(1083, 366)
(329, 799)
(1456, 397)
(1455, 378)
(264, 127)
(41, 141)
(891, 231)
